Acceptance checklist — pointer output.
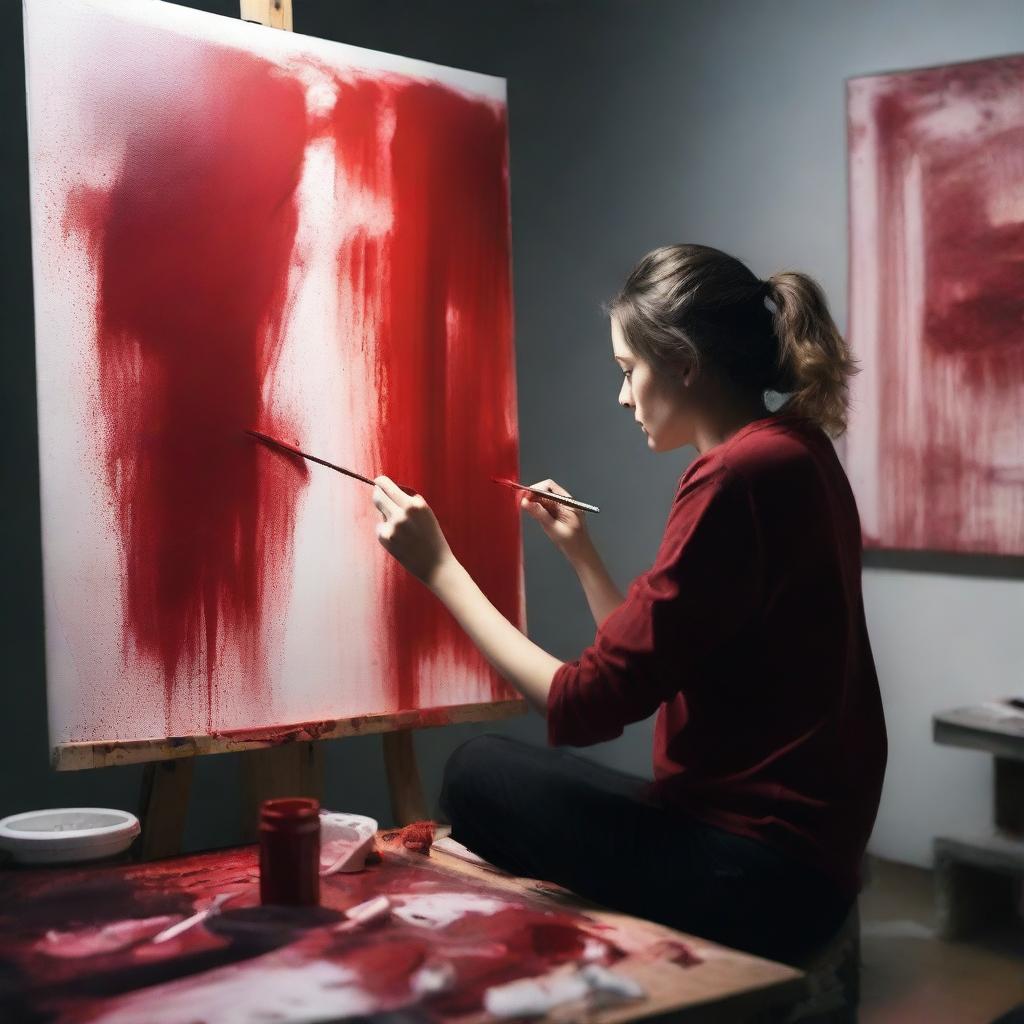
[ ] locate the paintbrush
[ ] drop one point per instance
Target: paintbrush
(548, 495)
(190, 922)
(292, 450)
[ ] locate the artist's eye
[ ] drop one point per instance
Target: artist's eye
(628, 374)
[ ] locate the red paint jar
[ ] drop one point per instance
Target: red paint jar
(290, 852)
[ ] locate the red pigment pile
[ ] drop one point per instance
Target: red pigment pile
(419, 836)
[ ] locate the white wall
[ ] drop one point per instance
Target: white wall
(940, 642)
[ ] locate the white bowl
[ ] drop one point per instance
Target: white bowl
(65, 835)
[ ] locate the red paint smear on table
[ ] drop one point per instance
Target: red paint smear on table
(944, 479)
(439, 286)
(192, 243)
(523, 938)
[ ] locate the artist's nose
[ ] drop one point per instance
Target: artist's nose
(626, 395)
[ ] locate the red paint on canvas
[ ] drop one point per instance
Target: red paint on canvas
(192, 243)
(938, 233)
(198, 242)
(445, 366)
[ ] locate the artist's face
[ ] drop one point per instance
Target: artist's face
(659, 404)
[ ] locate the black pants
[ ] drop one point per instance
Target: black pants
(552, 815)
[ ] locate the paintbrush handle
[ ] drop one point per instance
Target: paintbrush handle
(292, 450)
(563, 500)
(338, 469)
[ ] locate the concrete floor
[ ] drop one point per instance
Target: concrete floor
(910, 976)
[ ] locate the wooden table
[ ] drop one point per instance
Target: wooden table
(78, 942)
(975, 875)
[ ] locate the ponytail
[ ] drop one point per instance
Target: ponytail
(691, 305)
(815, 363)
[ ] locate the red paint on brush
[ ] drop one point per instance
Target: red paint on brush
(192, 243)
(437, 288)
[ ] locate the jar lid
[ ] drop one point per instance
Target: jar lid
(290, 808)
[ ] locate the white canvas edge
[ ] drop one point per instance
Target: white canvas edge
(272, 43)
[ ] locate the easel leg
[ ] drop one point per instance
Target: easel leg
(163, 806)
(275, 13)
(404, 784)
(295, 769)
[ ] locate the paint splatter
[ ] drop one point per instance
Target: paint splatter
(192, 243)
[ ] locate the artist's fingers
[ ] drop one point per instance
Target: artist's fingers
(394, 492)
(535, 509)
(550, 485)
(384, 504)
(539, 508)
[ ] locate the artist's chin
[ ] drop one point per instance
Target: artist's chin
(662, 444)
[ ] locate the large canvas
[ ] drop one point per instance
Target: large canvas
(236, 227)
(936, 446)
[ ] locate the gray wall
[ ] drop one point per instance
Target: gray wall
(633, 124)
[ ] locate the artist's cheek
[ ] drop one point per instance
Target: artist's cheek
(675, 421)
(649, 401)
(640, 386)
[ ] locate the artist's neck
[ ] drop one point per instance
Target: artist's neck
(717, 426)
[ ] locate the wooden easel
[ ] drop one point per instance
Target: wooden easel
(272, 13)
(268, 770)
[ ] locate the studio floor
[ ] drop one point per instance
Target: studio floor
(910, 976)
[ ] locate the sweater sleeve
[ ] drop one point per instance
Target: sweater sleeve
(704, 586)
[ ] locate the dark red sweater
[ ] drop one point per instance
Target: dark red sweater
(747, 635)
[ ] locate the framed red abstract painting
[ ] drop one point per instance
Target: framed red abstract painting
(238, 228)
(936, 444)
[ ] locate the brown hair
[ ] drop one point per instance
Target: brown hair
(691, 304)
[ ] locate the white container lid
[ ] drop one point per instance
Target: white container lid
(67, 835)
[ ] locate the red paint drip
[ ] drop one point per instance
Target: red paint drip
(445, 370)
(192, 244)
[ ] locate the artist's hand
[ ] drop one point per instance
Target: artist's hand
(566, 527)
(410, 531)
